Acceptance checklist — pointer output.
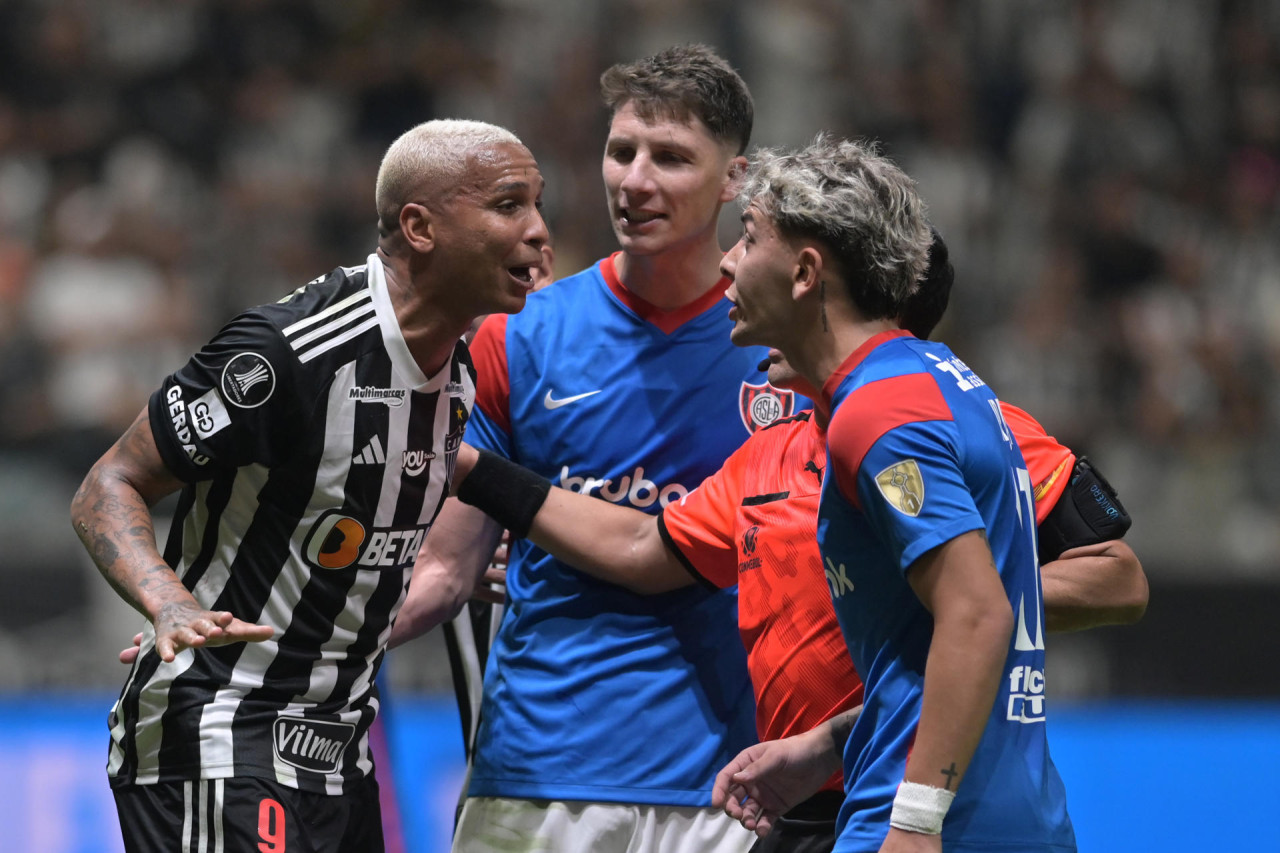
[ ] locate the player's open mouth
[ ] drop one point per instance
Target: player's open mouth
(637, 217)
(524, 274)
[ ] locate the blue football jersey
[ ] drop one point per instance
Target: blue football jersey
(919, 453)
(594, 693)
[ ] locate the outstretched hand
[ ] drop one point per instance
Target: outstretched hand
(767, 780)
(181, 626)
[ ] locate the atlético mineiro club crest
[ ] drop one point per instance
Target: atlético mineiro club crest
(761, 405)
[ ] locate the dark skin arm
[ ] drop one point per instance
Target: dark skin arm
(1093, 585)
(111, 514)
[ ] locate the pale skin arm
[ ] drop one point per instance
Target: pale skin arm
(768, 779)
(1093, 585)
(613, 543)
(448, 571)
(972, 623)
(111, 514)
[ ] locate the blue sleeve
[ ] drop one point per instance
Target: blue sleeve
(913, 491)
(484, 434)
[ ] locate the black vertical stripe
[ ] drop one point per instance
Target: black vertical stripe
(419, 438)
(369, 420)
(461, 674)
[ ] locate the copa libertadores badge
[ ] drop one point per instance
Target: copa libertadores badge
(248, 380)
(903, 487)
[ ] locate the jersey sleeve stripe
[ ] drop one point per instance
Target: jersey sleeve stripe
(317, 351)
(875, 409)
(332, 326)
(493, 380)
(328, 312)
(670, 542)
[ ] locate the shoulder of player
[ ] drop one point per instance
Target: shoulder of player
(881, 404)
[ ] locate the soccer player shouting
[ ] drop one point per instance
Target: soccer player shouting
(927, 519)
(313, 440)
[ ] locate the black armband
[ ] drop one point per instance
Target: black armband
(1088, 512)
(508, 493)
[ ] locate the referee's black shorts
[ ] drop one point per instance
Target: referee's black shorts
(250, 815)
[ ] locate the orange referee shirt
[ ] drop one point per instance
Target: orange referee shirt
(754, 523)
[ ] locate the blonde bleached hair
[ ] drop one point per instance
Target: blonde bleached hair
(857, 203)
(429, 159)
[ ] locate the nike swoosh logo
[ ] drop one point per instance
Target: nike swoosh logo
(552, 403)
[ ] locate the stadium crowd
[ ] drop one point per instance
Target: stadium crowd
(1106, 175)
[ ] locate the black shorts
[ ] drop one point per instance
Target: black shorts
(249, 815)
(810, 827)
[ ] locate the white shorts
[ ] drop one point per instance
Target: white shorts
(500, 825)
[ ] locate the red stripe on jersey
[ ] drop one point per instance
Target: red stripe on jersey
(873, 410)
(493, 382)
(1048, 462)
(846, 367)
(667, 321)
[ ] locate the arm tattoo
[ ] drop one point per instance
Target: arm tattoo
(951, 773)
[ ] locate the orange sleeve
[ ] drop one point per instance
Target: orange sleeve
(701, 527)
(1048, 462)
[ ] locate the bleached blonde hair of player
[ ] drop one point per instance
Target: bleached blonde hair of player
(858, 204)
(429, 159)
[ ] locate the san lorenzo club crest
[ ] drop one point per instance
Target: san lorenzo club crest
(761, 405)
(903, 487)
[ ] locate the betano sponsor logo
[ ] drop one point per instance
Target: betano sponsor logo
(338, 541)
(315, 745)
(634, 489)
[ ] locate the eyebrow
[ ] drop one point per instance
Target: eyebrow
(516, 186)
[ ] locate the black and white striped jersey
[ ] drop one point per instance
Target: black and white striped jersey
(317, 456)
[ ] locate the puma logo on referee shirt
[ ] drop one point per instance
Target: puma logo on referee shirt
(552, 403)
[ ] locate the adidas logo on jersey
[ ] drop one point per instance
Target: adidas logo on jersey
(311, 744)
(371, 455)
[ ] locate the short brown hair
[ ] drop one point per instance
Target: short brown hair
(682, 81)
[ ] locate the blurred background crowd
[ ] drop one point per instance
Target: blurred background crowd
(1106, 174)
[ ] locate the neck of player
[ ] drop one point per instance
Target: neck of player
(675, 277)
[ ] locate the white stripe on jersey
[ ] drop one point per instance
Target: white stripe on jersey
(188, 812)
(332, 326)
(217, 743)
(323, 348)
(218, 794)
(328, 312)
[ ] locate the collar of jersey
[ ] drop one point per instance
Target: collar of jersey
(851, 363)
(667, 321)
(401, 359)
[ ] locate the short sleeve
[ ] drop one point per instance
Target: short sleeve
(908, 484)
(700, 526)
(1048, 462)
(233, 404)
(490, 424)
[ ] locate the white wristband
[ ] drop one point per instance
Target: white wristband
(920, 808)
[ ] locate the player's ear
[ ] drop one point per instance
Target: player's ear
(806, 272)
(734, 178)
(418, 227)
